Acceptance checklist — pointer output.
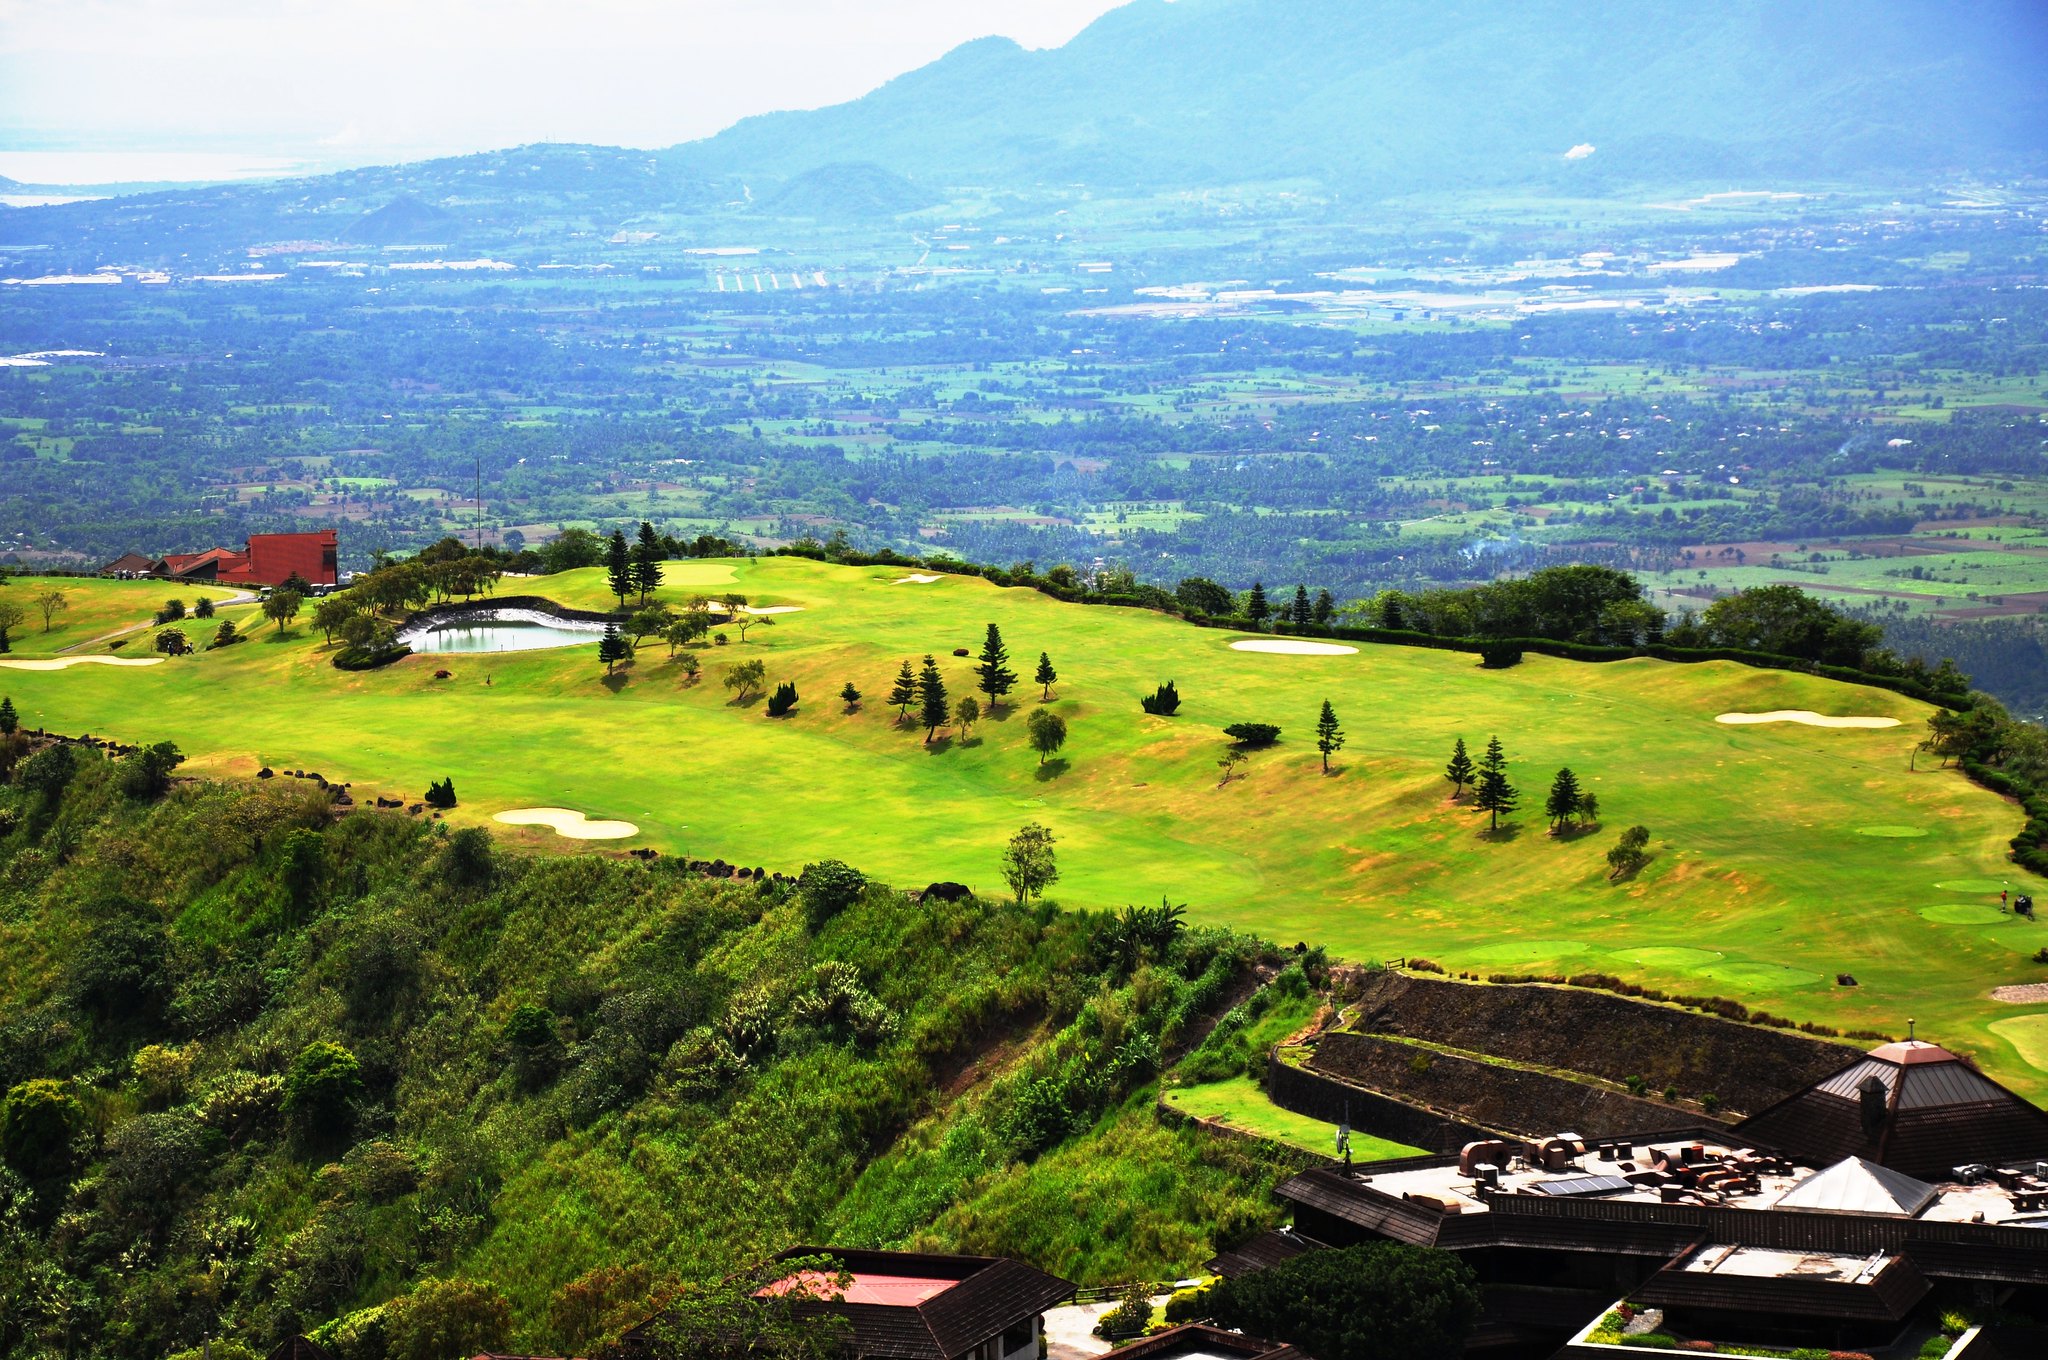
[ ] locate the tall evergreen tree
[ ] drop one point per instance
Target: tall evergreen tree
(1302, 610)
(1325, 608)
(931, 698)
(1255, 607)
(1044, 677)
(996, 677)
(646, 562)
(613, 648)
(8, 721)
(1495, 796)
(1459, 771)
(904, 692)
(1329, 736)
(618, 566)
(1565, 799)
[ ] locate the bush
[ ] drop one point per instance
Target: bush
(441, 1319)
(1252, 733)
(1131, 1316)
(122, 972)
(471, 861)
(440, 793)
(1188, 1305)
(322, 1086)
(369, 658)
(146, 775)
(1163, 702)
(828, 888)
(782, 701)
(37, 1121)
(1498, 656)
(1379, 1301)
(529, 1026)
(224, 636)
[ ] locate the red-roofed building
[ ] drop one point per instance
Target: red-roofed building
(267, 560)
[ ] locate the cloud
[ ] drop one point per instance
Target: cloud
(1579, 152)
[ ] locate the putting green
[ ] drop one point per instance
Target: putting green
(1529, 951)
(1966, 914)
(1978, 885)
(1675, 956)
(1894, 833)
(1762, 976)
(2028, 1034)
(2022, 937)
(1749, 826)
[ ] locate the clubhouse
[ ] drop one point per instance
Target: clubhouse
(264, 560)
(1841, 1218)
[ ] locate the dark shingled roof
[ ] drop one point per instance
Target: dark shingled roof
(1267, 1249)
(1911, 1106)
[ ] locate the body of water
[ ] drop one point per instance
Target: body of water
(499, 630)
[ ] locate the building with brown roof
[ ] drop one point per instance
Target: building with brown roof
(265, 560)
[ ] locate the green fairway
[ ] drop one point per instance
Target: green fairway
(1766, 880)
(1239, 1104)
(94, 609)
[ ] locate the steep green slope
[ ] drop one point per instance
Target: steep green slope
(575, 1078)
(1784, 854)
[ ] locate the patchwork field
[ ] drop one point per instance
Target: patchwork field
(1785, 853)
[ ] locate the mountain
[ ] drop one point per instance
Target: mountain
(1395, 95)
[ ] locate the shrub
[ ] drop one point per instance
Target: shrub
(1131, 1316)
(471, 859)
(161, 1071)
(529, 1026)
(204, 608)
(828, 888)
(444, 1318)
(1498, 656)
(441, 793)
(146, 775)
(123, 970)
(1188, 1305)
(1379, 1301)
(1252, 733)
(322, 1086)
(225, 635)
(1163, 702)
(37, 1121)
(239, 1103)
(782, 701)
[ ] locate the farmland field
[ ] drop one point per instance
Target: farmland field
(1783, 854)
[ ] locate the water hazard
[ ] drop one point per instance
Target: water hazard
(499, 630)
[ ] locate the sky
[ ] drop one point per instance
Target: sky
(245, 85)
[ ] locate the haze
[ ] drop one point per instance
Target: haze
(245, 85)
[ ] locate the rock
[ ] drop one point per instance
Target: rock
(266, 773)
(1845, 979)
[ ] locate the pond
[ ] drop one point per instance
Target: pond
(499, 630)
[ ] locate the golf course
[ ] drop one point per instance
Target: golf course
(1783, 852)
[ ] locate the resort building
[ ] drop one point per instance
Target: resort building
(264, 560)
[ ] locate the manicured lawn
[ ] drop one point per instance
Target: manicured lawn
(95, 608)
(1762, 887)
(1241, 1104)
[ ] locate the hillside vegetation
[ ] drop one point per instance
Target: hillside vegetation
(1780, 854)
(265, 1073)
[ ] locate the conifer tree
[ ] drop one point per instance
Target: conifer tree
(1044, 677)
(618, 564)
(996, 677)
(1329, 736)
(646, 562)
(850, 697)
(1564, 801)
(613, 648)
(904, 692)
(1255, 607)
(1325, 607)
(8, 721)
(1301, 612)
(931, 698)
(1495, 795)
(1459, 771)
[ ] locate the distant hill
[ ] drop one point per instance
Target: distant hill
(403, 221)
(847, 190)
(1396, 95)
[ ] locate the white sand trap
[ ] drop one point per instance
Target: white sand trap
(2022, 993)
(1801, 715)
(65, 662)
(569, 822)
(1293, 647)
(775, 609)
(916, 578)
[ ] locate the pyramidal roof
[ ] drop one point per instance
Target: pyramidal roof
(1855, 1186)
(1911, 1106)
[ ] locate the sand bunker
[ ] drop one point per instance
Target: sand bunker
(2021, 994)
(775, 609)
(916, 578)
(1806, 716)
(64, 662)
(1293, 647)
(569, 822)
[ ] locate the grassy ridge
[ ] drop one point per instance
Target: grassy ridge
(1783, 854)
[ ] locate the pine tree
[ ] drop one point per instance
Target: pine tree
(8, 721)
(996, 677)
(1325, 607)
(646, 562)
(904, 692)
(850, 697)
(1565, 799)
(1255, 607)
(613, 648)
(1044, 677)
(618, 563)
(1459, 771)
(1495, 795)
(1329, 736)
(1302, 610)
(931, 698)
